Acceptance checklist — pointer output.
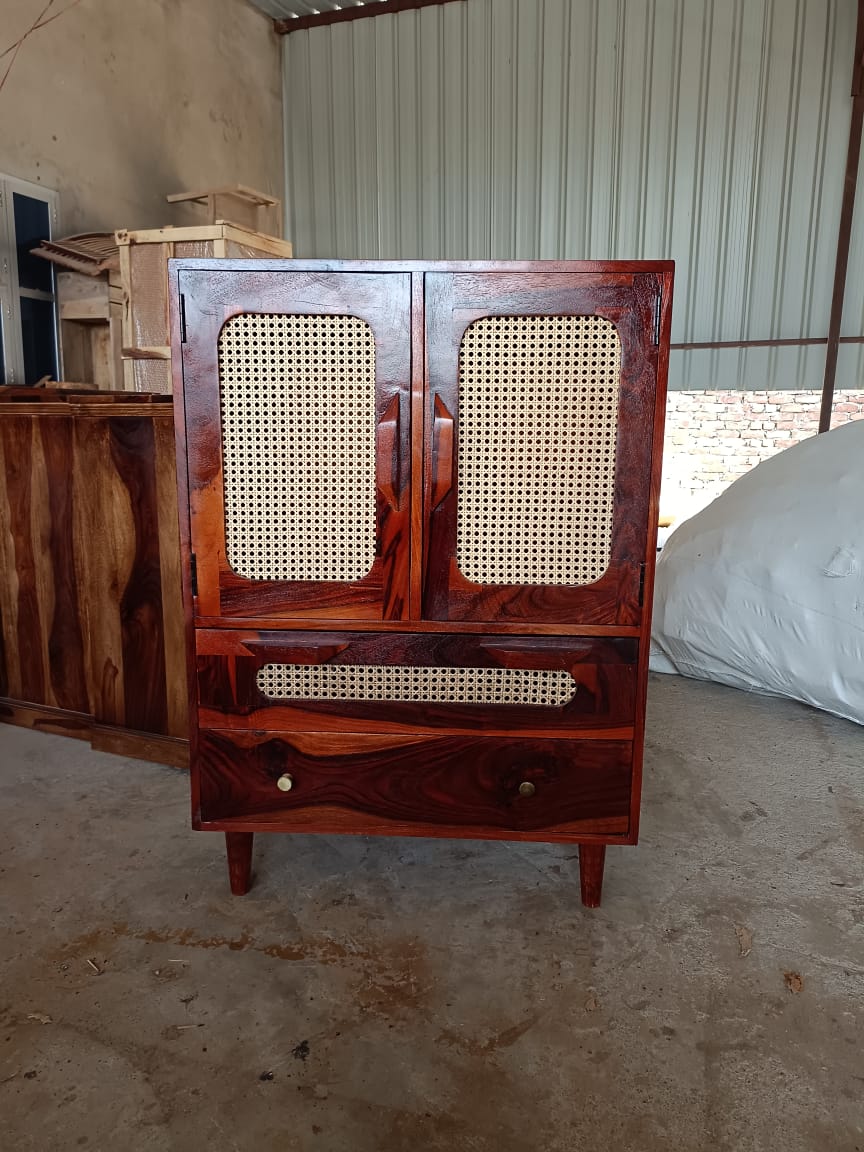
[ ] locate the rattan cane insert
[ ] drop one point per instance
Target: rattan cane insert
(298, 441)
(538, 419)
(550, 688)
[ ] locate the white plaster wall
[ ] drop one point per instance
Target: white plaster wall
(116, 103)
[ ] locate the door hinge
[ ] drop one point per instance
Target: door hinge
(657, 307)
(182, 300)
(642, 584)
(193, 573)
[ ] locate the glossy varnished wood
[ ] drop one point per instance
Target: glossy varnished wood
(409, 769)
(592, 858)
(434, 783)
(238, 846)
(41, 601)
(468, 627)
(603, 671)
(90, 610)
(453, 302)
(384, 302)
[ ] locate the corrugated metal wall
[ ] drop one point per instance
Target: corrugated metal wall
(710, 131)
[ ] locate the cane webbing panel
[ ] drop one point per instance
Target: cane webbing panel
(298, 443)
(538, 425)
(549, 688)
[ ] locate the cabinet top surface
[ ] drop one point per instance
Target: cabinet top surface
(470, 266)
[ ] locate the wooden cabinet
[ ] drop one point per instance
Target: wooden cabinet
(418, 510)
(91, 620)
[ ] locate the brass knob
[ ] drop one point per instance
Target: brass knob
(526, 788)
(285, 783)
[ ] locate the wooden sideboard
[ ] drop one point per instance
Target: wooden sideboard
(91, 618)
(419, 515)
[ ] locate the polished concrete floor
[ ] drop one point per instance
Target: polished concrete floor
(375, 995)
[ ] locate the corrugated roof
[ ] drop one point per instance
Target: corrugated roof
(285, 9)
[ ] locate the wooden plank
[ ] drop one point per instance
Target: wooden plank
(241, 191)
(82, 297)
(167, 750)
(106, 557)
(131, 442)
(39, 601)
(116, 325)
(174, 623)
(68, 683)
(27, 560)
(169, 235)
(57, 721)
(127, 332)
(259, 243)
(77, 351)
(43, 583)
(148, 352)
(10, 664)
(102, 357)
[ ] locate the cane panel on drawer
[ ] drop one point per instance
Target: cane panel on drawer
(538, 424)
(398, 682)
(526, 687)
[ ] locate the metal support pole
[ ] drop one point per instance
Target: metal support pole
(844, 234)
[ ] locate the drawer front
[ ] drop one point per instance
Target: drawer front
(405, 682)
(421, 785)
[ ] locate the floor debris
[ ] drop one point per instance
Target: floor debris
(793, 981)
(745, 940)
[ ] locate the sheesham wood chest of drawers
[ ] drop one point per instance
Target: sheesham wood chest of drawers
(418, 519)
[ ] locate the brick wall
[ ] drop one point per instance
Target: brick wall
(714, 437)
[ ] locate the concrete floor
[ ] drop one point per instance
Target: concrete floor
(377, 995)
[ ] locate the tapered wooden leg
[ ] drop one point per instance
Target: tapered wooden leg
(239, 846)
(592, 857)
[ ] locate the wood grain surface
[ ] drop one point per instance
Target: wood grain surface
(90, 611)
(433, 783)
(387, 767)
(453, 302)
(383, 301)
(41, 603)
(603, 670)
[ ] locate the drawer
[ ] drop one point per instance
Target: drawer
(405, 682)
(414, 785)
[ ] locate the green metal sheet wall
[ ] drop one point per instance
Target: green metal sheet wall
(710, 131)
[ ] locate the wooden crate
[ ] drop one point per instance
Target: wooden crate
(144, 275)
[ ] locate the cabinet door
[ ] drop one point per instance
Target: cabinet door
(541, 405)
(295, 388)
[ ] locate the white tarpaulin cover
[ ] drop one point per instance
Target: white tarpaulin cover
(764, 589)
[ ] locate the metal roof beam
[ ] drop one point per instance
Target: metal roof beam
(355, 12)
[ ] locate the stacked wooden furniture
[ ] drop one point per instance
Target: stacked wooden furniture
(91, 302)
(91, 622)
(144, 257)
(236, 204)
(112, 290)
(418, 506)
